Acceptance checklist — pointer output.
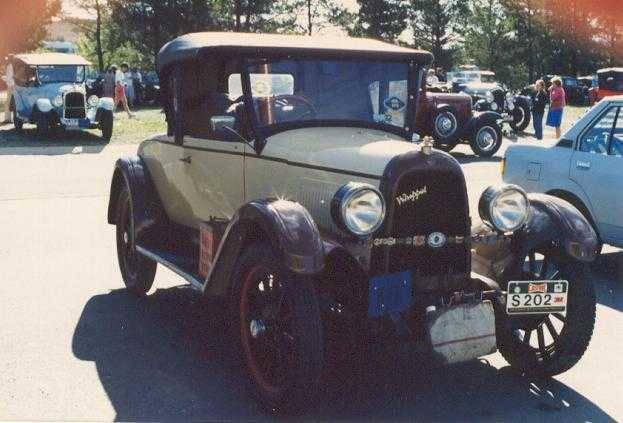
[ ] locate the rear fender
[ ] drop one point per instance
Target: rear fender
(146, 209)
(553, 222)
(286, 225)
(480, 118)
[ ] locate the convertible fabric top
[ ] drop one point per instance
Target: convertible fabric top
(41, 59)
(189, 45)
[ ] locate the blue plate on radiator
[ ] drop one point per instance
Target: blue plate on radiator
(389, 293)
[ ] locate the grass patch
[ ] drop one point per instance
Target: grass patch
(125, 131)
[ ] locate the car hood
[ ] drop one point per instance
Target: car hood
(357, 150)
(480, 88)
(50, 91)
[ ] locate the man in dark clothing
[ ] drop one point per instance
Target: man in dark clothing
(539, 100)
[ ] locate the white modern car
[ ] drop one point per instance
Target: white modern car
(584, 167)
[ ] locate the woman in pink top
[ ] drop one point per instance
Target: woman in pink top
(557, 103)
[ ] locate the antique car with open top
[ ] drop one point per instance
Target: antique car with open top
(50, 91)
(288, 186)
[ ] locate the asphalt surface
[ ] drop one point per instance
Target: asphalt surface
(76, 346)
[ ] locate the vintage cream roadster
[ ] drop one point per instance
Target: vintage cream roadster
(291, 186)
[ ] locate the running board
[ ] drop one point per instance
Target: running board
(159, 258)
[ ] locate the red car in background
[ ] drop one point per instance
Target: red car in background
(610, 82)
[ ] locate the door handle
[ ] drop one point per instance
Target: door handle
(186, 159)
(583, 164)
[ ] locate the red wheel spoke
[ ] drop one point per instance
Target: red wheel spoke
(560, 317)
(526, 337)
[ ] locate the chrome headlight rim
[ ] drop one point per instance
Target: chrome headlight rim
(344, 198)
(489, 97)
(93, 100)
(488, 201)
(58, 101)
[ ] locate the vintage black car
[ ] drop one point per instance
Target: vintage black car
(489, 95)
(148, 90)
(288, 188)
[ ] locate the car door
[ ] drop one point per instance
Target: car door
(213, 177)
(598, 170)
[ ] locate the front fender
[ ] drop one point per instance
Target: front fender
(132, 172)
(553, 222)
(482, 117)
(286, 225)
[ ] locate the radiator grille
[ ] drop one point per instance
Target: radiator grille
(74, 106)
(442, 208)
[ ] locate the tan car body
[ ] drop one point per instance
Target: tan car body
(306, 165)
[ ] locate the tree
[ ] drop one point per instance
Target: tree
(380, 19)
(23, 24)
(94, 31)
(437, 26)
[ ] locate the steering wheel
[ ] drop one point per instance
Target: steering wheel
(289, 104)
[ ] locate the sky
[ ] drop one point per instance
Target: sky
(70, 8)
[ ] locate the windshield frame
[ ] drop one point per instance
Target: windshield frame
(262, 132)
(84, 74)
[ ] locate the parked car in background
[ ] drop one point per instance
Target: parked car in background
(287, 188)
(610, 81)
(149, 89)
(450, 120)
(584, 167)
(589, 85)
(489, 95)
(95, 84)
(50, 91)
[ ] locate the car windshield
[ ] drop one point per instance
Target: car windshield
(487, 78)
(611, 81)
(304, 91)
(58, 73)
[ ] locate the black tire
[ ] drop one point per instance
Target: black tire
(486, 138)
(42, 124)
(515, 334)
(106, 124)
(521, 115)
(138, 271)
(276, 321)
(17, 122)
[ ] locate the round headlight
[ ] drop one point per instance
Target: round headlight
(93, 100)
(58, 101)
(358, 208)
(489, 97)
(494, 106)
(504, 207)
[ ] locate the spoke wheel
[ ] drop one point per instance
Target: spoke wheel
(486, 139)
(278, 324)
(549, 344)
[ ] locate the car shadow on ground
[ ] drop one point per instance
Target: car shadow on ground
(56, 142)
(168, 356)
(472, 158)
(608, 272)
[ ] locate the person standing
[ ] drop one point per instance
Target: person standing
(10, 84)
(557, 103)
(129, 83)
(538, 108)
(120, 86)
(109, 83)
(432, 79)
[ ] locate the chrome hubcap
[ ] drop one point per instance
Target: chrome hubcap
(486, 138)
(445, 124)
(257, 328)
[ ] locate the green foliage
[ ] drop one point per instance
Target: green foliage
(380, 19)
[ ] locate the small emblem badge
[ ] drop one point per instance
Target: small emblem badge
(436, 240)
(394, 103)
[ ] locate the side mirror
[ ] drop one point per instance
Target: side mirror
(222, 123)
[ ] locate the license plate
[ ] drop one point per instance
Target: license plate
(72, 122)
(389, 293)
(535, 297)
